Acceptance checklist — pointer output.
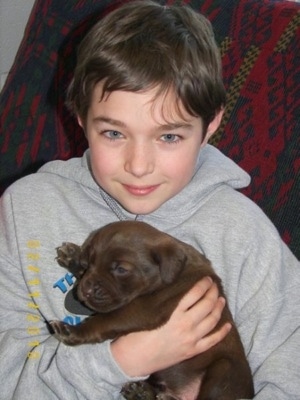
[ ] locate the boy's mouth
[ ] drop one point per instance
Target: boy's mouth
(140, 190)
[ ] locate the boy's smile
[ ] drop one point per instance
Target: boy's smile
(143, 151)
(140, 190)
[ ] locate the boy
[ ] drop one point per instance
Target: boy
(147, 90)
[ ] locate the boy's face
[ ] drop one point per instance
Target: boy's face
(142, 151)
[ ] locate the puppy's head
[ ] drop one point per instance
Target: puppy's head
(124, 260)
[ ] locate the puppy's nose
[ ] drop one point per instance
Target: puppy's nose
(90, 288)
(94, 291)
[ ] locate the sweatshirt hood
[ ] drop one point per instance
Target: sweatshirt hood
(213, 170)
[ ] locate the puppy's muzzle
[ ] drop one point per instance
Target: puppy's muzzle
(93, 293)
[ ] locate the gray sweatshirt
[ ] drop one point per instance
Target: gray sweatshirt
(62, 202)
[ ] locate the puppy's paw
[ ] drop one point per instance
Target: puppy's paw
(65, 333)
(140, 390)
(68, 256)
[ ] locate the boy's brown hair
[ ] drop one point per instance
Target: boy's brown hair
(143, 45)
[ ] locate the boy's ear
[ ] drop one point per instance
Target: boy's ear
(81, 124)
(212, 127)
(79, 120)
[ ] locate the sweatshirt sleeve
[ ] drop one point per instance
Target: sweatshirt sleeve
(268, 313)
(33, 364)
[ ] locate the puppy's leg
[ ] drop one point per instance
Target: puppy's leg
(74, 335)
(100, 327)
(227, 379)
(140, 390)
(68, 256)
(94, 329)
(143, 390)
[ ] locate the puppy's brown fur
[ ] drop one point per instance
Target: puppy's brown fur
(133, 276)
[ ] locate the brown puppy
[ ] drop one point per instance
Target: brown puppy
(125, 272)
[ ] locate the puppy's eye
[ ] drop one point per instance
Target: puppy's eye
(121, 268)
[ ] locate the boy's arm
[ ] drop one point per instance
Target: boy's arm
(269, 320)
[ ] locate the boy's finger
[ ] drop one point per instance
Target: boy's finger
(210, 305)
(206, 324)
(195, 294)
(214, 338)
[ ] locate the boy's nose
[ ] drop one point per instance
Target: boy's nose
(139, 160)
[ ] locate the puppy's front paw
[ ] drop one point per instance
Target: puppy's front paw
(68, 256)
(65, 333)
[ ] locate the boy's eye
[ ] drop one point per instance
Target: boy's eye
(112, 134)
(170, 138)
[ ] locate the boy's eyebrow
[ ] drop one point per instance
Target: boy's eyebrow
(110, 121)
(167, 126)
(175, 125)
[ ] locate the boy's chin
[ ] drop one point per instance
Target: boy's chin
(141, 209)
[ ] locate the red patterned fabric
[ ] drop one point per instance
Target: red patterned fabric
(260, 45)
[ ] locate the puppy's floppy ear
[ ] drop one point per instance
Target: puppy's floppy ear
(171, 259)
(87, 251)
(84, 261)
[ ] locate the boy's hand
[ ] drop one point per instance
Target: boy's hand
(186, 334)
